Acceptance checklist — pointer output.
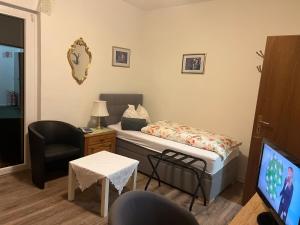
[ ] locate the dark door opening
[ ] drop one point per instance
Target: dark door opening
(11, 91)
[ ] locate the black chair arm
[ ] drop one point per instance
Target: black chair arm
(75, 137)
(37, 146)
(37, 135)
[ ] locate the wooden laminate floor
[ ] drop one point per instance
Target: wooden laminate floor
(21, 203)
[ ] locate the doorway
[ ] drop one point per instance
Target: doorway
(11, 91)
(18, 85)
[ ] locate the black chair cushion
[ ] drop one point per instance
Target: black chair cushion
(56, 152)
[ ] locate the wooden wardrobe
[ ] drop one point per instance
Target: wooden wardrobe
(277, 115)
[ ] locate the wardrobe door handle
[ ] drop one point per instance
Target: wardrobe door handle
(264, 123)
(261, 122)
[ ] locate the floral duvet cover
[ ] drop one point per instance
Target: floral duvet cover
(220, 144)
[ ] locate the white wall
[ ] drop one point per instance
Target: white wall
(17, 75)
(102, 24)
(7, 73)
(230, 32)
(28, 4)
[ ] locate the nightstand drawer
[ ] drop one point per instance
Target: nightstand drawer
(100, 147)
(104, 139)
(101, 139)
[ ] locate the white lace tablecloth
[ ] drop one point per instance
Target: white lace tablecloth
(89, 169)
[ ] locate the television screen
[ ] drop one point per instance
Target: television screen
(279, 185)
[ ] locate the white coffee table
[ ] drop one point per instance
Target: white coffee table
(104, 166)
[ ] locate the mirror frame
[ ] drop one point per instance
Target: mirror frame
(79, 42)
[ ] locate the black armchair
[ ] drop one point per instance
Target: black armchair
(52, 145)
(147, 208)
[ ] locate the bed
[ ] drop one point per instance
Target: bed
(134, 144)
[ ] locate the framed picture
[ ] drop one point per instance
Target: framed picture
(120, 57)
(193, 63)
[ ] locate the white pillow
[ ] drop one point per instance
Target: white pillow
(142, 112)
(130, 112)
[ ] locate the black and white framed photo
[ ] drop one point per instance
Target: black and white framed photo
(121, 57)
(193, 63)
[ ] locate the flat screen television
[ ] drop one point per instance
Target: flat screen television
(278, 185)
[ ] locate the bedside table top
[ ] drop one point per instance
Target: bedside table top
(103, 130)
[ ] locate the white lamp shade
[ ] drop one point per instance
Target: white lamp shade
(99, 109)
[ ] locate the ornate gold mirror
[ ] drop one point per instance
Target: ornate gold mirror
(80, 59)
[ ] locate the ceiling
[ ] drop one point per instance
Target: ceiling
(156, 4)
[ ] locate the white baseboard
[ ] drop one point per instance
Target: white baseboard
(13, 169)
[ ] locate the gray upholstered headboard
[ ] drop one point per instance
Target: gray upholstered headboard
(117, 104)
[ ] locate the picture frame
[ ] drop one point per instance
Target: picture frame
(193, 63)
(120, 57)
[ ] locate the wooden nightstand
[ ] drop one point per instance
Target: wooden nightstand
(99, 140)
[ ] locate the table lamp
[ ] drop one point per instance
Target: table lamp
(99, 110)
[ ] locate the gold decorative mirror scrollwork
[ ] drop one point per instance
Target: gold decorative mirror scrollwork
(80, 59)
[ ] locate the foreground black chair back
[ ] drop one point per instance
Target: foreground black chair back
(52, 145)
(146, 208)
